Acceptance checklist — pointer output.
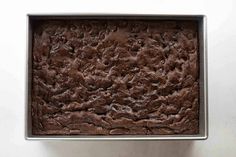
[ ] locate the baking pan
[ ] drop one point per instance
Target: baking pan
(203, 111)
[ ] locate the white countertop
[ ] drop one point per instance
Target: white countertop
(221, 16)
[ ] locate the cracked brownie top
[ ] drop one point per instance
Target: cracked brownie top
(115, 77)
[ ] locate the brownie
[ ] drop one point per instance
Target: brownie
(115, 77)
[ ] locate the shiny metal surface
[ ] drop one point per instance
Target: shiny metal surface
(203, 121)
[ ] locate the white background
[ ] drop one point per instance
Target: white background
(222, 79)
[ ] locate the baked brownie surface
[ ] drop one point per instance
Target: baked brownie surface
(115, 77)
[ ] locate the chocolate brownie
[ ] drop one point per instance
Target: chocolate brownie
(115, 77)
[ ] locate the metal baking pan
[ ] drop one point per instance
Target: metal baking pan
(203, 114)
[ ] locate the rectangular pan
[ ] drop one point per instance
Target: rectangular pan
(203, 112)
